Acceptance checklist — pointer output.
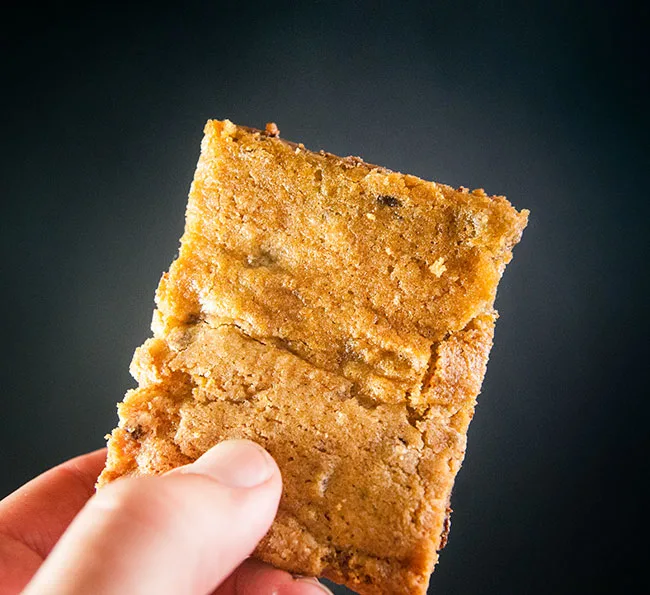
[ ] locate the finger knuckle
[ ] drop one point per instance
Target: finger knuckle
(142, 502)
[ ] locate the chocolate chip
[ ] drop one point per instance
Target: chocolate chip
(388, 201)
(136, 433)
(446, 526)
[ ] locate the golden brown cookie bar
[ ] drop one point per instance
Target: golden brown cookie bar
(340, 315)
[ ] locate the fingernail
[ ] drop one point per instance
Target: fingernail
(235, 463)
(318, 587)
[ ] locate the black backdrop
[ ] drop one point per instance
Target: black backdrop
(102, 114)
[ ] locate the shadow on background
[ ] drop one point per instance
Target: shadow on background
(546, 103)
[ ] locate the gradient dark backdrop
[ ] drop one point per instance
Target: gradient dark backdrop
(102, 115)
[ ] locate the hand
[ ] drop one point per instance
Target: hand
(188, 531)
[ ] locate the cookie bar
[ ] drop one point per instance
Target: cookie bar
(340, 315)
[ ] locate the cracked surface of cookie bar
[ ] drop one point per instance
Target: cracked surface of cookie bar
(341, 315)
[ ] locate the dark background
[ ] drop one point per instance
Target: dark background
(102, 115)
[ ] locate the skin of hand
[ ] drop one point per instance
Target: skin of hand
(188, 531)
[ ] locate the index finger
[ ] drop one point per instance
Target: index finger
(33, 518)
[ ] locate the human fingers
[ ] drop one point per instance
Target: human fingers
(184, 532)
(256, 578)
(33, 518)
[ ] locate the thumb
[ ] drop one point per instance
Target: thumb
(183, 532)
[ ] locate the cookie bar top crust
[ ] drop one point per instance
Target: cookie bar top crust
(341, 315)
(354, 268)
